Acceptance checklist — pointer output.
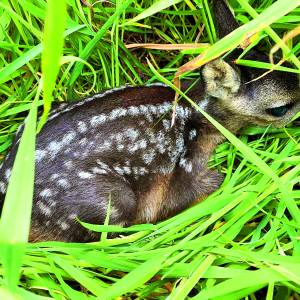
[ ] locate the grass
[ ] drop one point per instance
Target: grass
(241, 243)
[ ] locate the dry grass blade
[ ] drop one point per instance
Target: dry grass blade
(293, 33)
(168, 47)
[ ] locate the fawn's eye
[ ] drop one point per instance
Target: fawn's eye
(279, 111)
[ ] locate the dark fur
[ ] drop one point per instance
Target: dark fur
(119, 146)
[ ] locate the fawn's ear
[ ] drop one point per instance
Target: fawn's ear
(224, 19)
(221, 79)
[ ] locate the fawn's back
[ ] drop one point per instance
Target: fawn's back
(118, 144)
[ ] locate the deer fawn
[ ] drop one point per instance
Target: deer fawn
(120, 145)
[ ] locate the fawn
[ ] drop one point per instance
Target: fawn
(120, 145)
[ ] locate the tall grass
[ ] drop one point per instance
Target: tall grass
(241, 243)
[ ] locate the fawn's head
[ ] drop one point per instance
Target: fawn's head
(272, 99)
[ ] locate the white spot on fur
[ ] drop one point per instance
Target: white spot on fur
(166, 169)
(107, 144)
(72, 216)
(85, 175)
(40, 154)
(142, 144)
(165, 107)
(97, 170)
(192, 134)
(140, 171)
(179, 148)
(119, 170)
(117, 113)
(133, 111)
(45, 210)
(203, 104)
(68, 164)
(152, 109)
(144, 111)
(132, 134)
(149, 156)
(68, 137)
(102, 165)
(103, 147)
(166, 124)
(64, 183)
(119, 137)
(83, 141)
(46, 193)
(186, 165)
(98, 120)
(160, 143)
(82, 127)
(2, 187)
(127, 170)
(64, 225)
(54, 176)
(182, 112)
(120, 147)
(54, 147)
(7, 174)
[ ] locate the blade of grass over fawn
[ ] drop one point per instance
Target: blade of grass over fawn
(16, 213)
(280, 43)
(52, 51)
(18, 202)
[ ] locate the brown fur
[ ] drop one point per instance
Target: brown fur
(150, 202)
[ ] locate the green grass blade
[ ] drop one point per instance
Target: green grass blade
(26, 57)
(16, 212)
(134, 279)
(183, 289)
(157, 6)
(235, 38)
(98, 36)
(52, 51)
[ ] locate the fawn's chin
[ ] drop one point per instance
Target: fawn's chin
(282, 123)
(274, 123)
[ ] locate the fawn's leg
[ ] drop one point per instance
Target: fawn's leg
(192, 181)
(88, 203)
(186, 189)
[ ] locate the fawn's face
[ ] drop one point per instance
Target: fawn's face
(272, 99)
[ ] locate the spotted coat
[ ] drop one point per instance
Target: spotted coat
(115, 145)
